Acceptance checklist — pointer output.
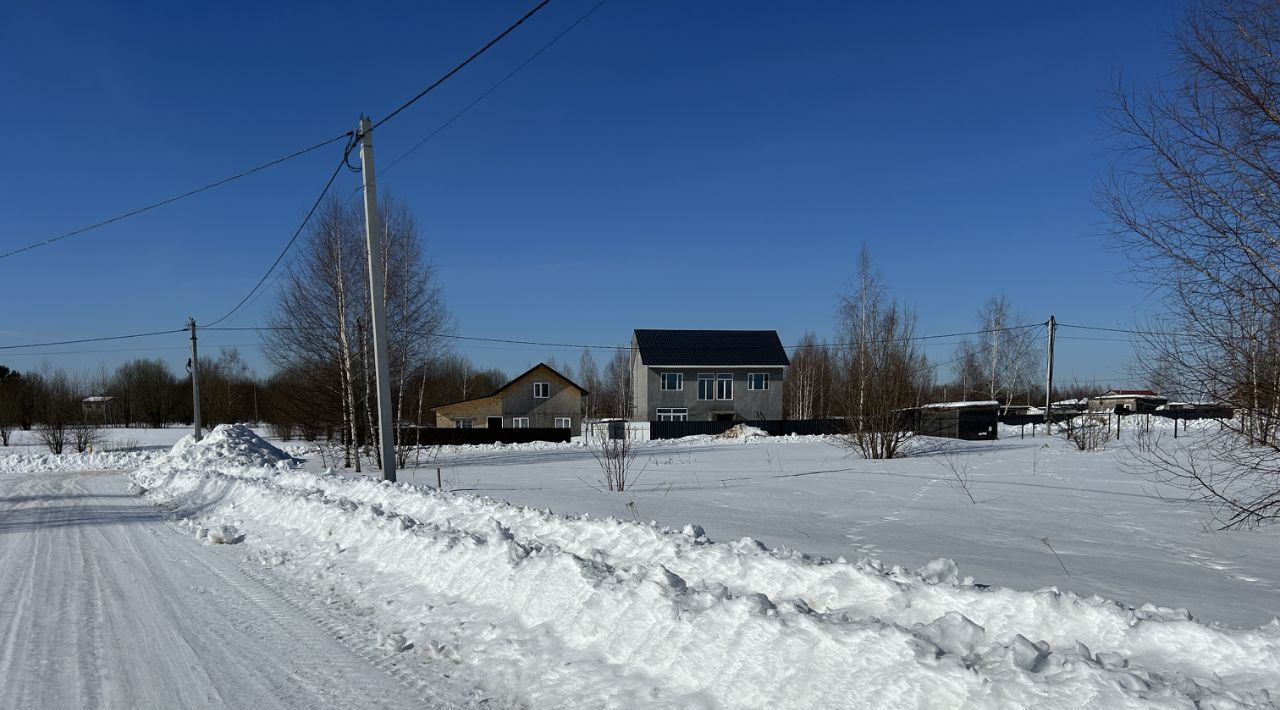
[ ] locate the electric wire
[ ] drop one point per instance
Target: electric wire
(289, 245)
(586, 346)
(491, 89)
(353, 139)
(170, 200)
(223, 181)
(93, 340)
(474, 55)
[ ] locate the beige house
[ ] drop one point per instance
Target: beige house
(541, 398)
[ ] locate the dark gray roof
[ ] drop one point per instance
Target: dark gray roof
(711, 347)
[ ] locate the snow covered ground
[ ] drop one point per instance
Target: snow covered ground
(106, 603)
(725, 602)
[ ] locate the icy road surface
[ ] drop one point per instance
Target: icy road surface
(105, 604)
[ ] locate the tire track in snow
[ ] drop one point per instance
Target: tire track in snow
(417, 677)
(319, 638)
(16, 598)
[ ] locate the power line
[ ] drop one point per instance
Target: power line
(164, 348)
(587, 346)
(93, 340)
(295, 154)
(353, 139)
(289, 245)
(1132, 331)
(459, 67)
(175, 198)
(491, 89)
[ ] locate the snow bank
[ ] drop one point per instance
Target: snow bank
(743, 431)
(581, 612)
(100, 461)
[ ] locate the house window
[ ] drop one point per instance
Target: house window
(541, 390)
(673, 380)
(564, 423)
(706, 386)
(757, 380)
(673, 414)
(724, 386)
(461, 423)
(520, 422)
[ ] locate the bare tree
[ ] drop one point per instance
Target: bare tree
(11, 384)
(147, 391)
(1195, 197)
(320, 324)
(616, 458)
(808, 381)
(615, 395)
(1003, 360)
(589, 377)
(59, 409)
(881, 370)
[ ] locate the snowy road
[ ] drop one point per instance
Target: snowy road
(106, 604)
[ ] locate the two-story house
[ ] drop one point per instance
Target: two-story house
(707, 375)
(540, 398)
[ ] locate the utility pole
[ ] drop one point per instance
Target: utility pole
(1048, 379)
(194, 368)
(377, 303)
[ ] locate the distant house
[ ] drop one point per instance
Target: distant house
(97, 408)
(1126, 402)
(972, 421)
(539, 398)
(707, 375)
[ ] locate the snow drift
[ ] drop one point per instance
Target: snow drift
(573, 611)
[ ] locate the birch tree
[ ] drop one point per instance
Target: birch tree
(881, 369)
(320, 328)
(1195, 198)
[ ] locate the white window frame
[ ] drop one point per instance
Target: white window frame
(564, 422)
(721, 389)
(711, 388)
(462, 424)
(673, 414)
(519, 422)
(679, 381)
(751, 380)
(544, 387)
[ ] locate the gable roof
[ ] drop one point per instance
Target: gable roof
(513, 380)
(708, 348)
(530, 371)
(1128, 393)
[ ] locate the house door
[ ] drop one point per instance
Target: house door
(724, 417)
(494, 422)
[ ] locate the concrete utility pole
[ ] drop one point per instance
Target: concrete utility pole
(377, 303)
(1048, 379)
(194, 368)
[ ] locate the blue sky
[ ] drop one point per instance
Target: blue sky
(666, 164)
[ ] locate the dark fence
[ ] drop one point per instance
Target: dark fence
(772, 427)
(447, 437)
(1202, 412)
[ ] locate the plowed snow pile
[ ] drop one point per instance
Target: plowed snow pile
(556, 611)
(102, 461)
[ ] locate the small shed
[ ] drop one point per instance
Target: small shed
(1195, 410)
(971, 421)
(1126, 402)
(97, 408)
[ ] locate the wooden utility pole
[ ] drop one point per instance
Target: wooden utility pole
(377, 299)
(194, 368)
(1048, 380)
